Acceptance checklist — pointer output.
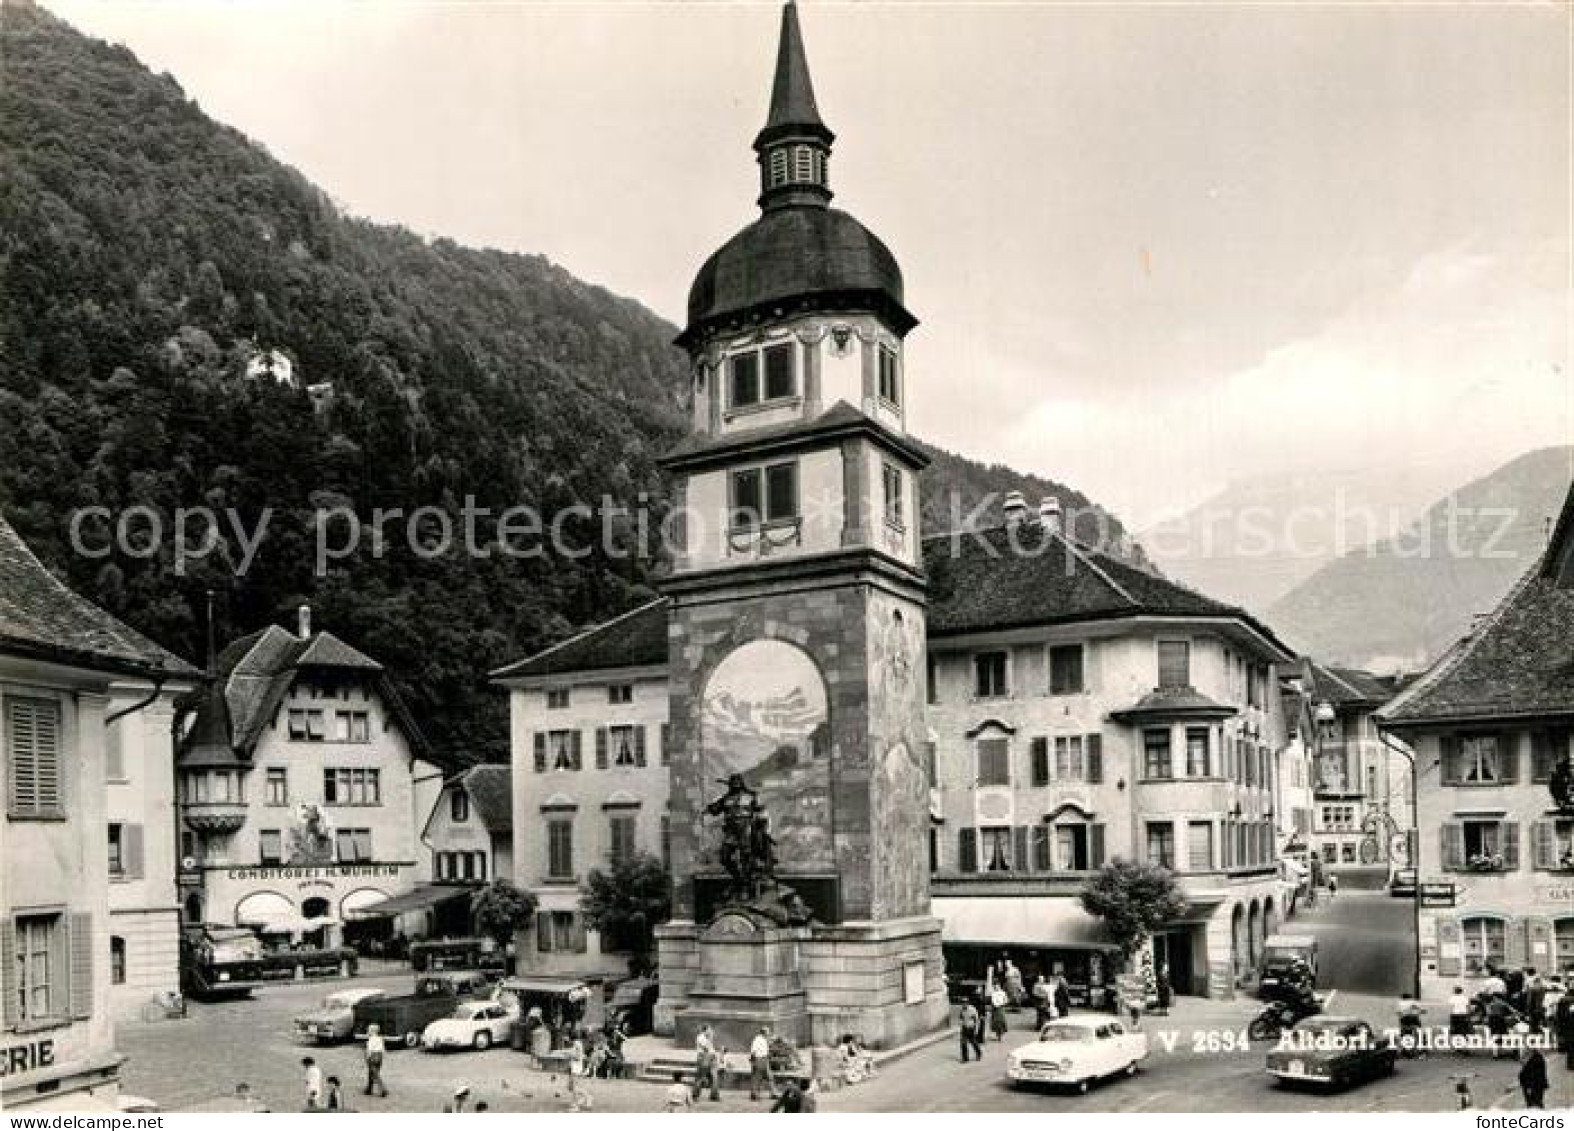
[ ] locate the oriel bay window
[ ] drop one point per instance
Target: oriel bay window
(764, 495)
(1198, 764)
(758, 376)
(1157, 762)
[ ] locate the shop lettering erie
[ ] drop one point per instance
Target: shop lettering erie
(18, 1060)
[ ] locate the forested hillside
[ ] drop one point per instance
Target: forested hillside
(148, 254)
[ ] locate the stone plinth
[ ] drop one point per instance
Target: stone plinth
(748, 975)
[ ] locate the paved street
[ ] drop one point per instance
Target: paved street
(1365, 941)
(191, 1063)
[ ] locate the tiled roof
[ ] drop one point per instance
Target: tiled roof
(636, 639)
(491, 792)
(977, 582)
(256, 672)
(1518, 663)
(1007, 577)
(1347, 686)
(1174, 702)
(40, 616)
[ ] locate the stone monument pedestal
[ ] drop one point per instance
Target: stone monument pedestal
(884, 981)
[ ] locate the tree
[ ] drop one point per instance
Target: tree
(501, 911)
(627, 902)
(1134, 901)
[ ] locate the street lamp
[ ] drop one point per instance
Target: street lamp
(1413, 848)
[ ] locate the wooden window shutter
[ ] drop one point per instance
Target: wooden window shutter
(8, 987)
(1543, 846)
(1449, 745)
(967, 850)
(541, 752)
(1096, 846)
(639, 746)
(79, 937)
(1040, 754)
(666, 744)
(1453, 846)
(1093, 744)
(1516, 941)
(1511, 846)
(544, 932)
(1449, 950)
(1508, 757)
(131, 850)
(576, 749)
(1019, 846)
(601, 748)
(1041, 835)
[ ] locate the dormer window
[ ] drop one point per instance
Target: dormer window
(759, 376)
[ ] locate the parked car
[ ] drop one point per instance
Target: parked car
(1075, 1052)
(403, 1019)
(474, 1025)
(1331, 1052)
(1403, 885)
(334, 1019)
(467, 954)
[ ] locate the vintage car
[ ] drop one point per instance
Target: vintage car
(475, 1025)
(1331, 1052)
(1075, 1051)
(334, 1019)
(1280, 955)
(402, 1020)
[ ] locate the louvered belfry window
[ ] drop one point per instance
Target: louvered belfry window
(32, 728)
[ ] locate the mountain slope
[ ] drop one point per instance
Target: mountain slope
(149, 254)
(1403, 600)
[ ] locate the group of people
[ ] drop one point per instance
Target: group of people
(709, 1059)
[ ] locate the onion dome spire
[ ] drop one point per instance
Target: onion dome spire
(795, 145)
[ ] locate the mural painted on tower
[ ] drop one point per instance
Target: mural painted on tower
(764, 717)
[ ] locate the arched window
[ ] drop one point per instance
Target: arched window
(117, 960)
(1485, 942)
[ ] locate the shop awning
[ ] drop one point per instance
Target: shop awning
(416, 899)
(1043, 921)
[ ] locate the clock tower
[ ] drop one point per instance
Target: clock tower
(797, 630)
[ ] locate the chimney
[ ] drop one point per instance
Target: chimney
(1049, 513)
(303, 616)
(1015, 507)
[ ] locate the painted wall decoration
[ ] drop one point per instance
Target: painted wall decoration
(764, 715)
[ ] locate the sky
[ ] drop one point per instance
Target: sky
(1154, 249)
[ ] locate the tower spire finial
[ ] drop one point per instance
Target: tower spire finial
(794, 144)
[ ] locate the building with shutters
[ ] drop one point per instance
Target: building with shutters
(1077, 709)
(470, 831)
(302, 785)
(1490, 726)
(84, 714)
(589, 744)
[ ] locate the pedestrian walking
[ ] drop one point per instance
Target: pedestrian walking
(1533, 1078)
(1136, 1002)
(1458, 1014)
(333, 1098)
(706, 1065)
(1333, 887)
(997, 1013)
(760, 1066)
(376, 1050)
(1062, 996)
(679, 1098)
(1162, 989)
(1013, 982)
(313, 1084)
(968, 1023)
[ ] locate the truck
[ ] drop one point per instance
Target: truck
(402, 1019)
(218, 961)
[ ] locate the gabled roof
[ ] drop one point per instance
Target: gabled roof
(1347, 687)
(1518, 663)
(638, 638)
(254, 674)
(41, 617)
(491, 792)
